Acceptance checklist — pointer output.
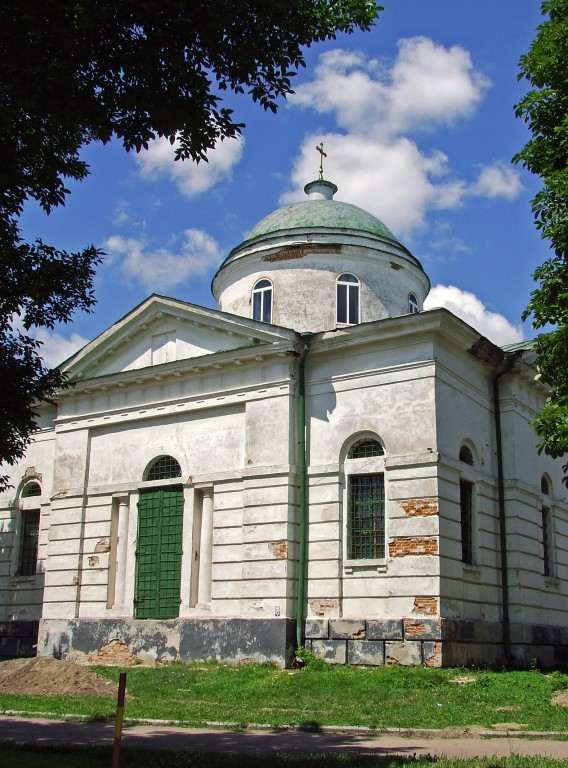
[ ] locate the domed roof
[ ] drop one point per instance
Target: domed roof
(328, 214)
(320, 211)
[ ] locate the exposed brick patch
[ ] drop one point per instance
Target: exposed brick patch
(115, 652)
(102, 546)
(93, 561)
(432, 653)
(413, 628)
(401, 546)
(323, 607)
(299, 251)
(279, 549)
(420, 507)
(422, 629)
(426, 605)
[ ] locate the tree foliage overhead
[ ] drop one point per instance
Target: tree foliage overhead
(545, 110)
(77, 71)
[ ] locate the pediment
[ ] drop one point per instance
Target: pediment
(162, 330)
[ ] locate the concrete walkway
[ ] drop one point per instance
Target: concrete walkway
(156, 736)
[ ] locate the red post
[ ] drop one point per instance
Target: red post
(118, 720)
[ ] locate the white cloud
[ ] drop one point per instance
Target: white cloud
(427, 85)
(468, 307)
(191, 178)
(393, 179)
(55, 347)
(497, 180)
(159, 269)
(377, 165)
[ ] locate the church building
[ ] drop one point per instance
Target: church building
(317, 462)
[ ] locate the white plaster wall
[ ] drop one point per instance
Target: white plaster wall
(387, 390)
(534, 597)
(21, 596)
(304, 295)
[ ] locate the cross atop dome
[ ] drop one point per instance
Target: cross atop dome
(322, 155)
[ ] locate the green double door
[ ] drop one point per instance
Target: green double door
(158, 554)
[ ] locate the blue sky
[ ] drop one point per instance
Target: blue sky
(417, 119)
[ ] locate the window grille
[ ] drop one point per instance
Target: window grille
(164, 468)
(366, 505)
(365, 449)
(466, 510)
(348, 299)
(31, 489)
(466, 455)
(29, 542)
(262, 301)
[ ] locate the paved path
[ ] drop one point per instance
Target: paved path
(40, 731)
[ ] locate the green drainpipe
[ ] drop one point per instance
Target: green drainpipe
(302, 468)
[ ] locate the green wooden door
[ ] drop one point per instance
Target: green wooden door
(158, 554)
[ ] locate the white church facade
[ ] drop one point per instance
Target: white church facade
(318, 462)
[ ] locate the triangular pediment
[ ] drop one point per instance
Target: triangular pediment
(162, 330)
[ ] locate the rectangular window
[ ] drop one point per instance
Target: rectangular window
(548, 569)
(341, 303)
(366, 517)
(466, 507)
(29, 542)
(354, 304)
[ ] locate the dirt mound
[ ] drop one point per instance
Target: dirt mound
(44, 676)
(561, 699)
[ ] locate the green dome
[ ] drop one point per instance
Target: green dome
(313, 214)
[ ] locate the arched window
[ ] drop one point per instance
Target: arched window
(412, 304)
(164, 468)
(348, 291)
(365, 448)
(31, 489)
(467, 506)
(545, 485)
(29, 529)
(466, 455)
(262, 301)
(364, 501)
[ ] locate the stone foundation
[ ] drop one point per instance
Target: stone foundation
(18, 638)
(435, 642)
(121, 641)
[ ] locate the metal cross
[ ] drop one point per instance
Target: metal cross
(323, 154)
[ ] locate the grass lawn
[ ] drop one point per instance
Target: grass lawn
(328, 695)
(17, 756)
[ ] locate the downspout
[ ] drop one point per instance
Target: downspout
(502, 518)
(302, 469)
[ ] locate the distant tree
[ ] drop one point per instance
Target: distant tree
(545, 110)
(77, 71)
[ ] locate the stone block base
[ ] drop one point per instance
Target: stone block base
(435, 642)
(18, 638)
(123, 641)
